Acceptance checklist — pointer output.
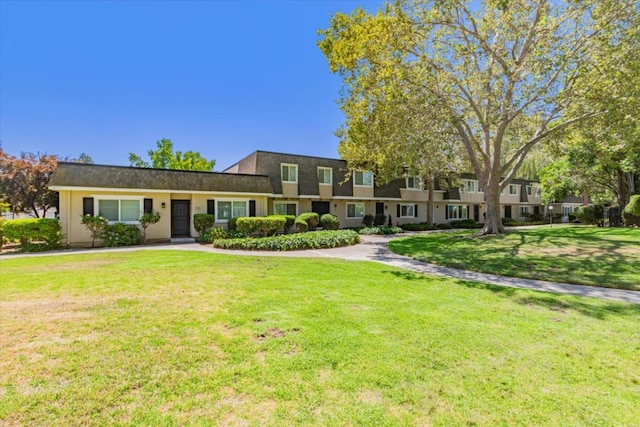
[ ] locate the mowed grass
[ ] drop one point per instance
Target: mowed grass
(176, 337)
(608, 257)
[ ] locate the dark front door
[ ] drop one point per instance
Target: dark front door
(507, 211)
(379, 208)
(321, 208)
(180, 218)
(476, 213)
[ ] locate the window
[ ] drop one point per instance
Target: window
(524, 211)
(285, 208)
(472, 186)
(355, 210)
(566, 210)
(363, 179)
(324, 176)
(513, 189)
(457, 212)
(231, 209)
(529, 190)
(414, 183)
(289, 173)
(120, 209)
(407, 211)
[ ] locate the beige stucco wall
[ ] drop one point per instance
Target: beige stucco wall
(362, 192)
(474, 198)
(414, 195)
(289, 189)
(325, 191)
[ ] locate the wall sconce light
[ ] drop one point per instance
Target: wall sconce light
(386, 207)
(335, 206)
(164, 205)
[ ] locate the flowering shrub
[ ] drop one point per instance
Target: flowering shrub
(95, 225)
(120, 234)
(290, 242)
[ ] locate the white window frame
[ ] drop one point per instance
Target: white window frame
(458, 212)
(524, 210)
(140, 199)
(288, 165)
(412, 206)
(529, 190)
(515, 192)
(418, 184)
(330, 175)
(363, 175)
(566, 210)
(473, 183)
(275, 211)
(225, 220)
(355, 209)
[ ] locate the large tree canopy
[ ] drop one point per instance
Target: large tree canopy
(24, 182)
(496, 76)
(163, 157)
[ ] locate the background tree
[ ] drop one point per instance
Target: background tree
(24, 182)
(84, 158)
(502, 74)
(163, 157)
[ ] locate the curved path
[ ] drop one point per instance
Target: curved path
(374, 248)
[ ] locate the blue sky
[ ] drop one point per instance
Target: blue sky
(222, 78)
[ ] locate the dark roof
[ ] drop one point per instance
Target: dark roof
(69, 174)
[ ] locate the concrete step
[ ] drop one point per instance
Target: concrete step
(183, 240)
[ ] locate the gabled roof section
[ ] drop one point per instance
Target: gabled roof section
(84, 175)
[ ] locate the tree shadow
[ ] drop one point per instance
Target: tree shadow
(598, 309)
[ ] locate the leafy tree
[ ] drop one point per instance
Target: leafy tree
(84, 158)
(96, 226)
(24, 182)
(500, 74)
(147, 219)
(163, 157)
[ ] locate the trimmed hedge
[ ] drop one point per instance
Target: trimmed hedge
(465, 223)
(34, 234)
(262, 225)
(203, 222)
(381, 230)
(289, 221)
(289, 242)
(311, 218)
(120, 234)
(301, 226)
(423, 226)
(329, 222)
(368, 220)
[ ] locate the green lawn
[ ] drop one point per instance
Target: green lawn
(176, 337)
(608, 257)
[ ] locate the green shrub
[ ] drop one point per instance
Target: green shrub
(120, 234)
(631, 212)
(34, 234)
(288, 242)
(423, 226)
(379, 219)
(260, 225)
(231, 225)
(301, 226)
(381, 230)
(311, 218)
(444, 226)
(367, 220)
(289, 221)
(329, 222)
(592, 215)
(203, 222)
(211, 234)
(147, 219)
(465, 223)
(95, 225)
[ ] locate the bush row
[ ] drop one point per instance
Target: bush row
(34, 234)
(119, 234)
(380, 230)
(262, 226)
(288, 242)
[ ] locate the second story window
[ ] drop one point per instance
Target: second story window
(472, 186)
(414, 183)
(513, 190)
(363, 179)
(289, 173)
(324, 176)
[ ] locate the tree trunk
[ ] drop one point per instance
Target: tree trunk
(431, 190)
(493, 221)
(623, 189)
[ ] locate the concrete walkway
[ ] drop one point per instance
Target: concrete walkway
(374, 248)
